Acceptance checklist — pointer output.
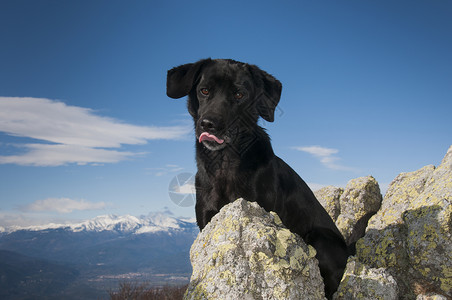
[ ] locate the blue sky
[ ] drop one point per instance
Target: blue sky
(87, 129)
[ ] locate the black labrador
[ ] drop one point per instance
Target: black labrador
(235, 158)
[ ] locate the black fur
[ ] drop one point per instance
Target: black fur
(225, 99)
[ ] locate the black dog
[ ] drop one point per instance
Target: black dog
(235, 158)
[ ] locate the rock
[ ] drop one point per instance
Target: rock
(403, 190)
(410, 236)
(351, 208)
(405, 253)
(247, 253)
(431, 296)
(362, 282)
(329, 198)
(360, 201)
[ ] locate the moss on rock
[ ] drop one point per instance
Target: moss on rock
(246, 253)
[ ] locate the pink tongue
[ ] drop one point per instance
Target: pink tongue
(209, 137)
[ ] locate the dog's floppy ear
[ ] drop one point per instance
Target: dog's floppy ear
(269, 95)
(180, 80)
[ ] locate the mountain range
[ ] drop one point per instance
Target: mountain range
(85, 260)
(153, 222)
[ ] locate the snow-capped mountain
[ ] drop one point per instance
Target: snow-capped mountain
(97, 254)
(153, 222)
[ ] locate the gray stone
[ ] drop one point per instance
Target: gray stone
(431, 296)
(410, 236)
(406, 252)
(361, 282)
(329, 198)
(247, 253)
(360, 201)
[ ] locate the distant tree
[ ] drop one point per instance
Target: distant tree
(143, 291)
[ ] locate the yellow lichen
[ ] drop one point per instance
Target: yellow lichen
(229, 277)
(297, 259)
(277, 219)
(284, 239)
(279, 293)
(217, 257)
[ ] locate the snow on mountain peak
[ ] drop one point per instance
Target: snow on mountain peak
(153, 222)
(163, 220)
(108, 222)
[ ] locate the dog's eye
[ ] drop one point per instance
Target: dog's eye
(238, 95)
(205, 91)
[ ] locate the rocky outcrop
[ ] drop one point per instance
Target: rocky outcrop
(247, 253)
(362, 282)
(405, 251)
(330, 197)
(352, 208)
(360, 201)
(410, 236)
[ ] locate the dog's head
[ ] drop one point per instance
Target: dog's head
(226, 98)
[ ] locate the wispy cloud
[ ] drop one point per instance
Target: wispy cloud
(72, 134)
(162, 171)
(56, 155)
(326, 157)
(14, 219)
(186, 188)
(62, 205)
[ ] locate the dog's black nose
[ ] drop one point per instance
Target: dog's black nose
(208, 125)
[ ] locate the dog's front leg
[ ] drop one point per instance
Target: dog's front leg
(205, 207)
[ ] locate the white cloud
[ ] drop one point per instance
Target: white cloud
(72, 134)
(325, 155)
(164, 170)
(14, 219)
(318, 151)
(60, 154)
(186, 188)
(62, 205)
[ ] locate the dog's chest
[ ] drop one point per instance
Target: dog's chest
(224, 176)
(226, 190)
(225, 185)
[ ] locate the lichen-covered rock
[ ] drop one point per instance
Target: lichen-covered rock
(362, 282)
(247, 253)
(402, 191)
(411, 234)
(361, 199)
(431, 296)
(329, 198)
